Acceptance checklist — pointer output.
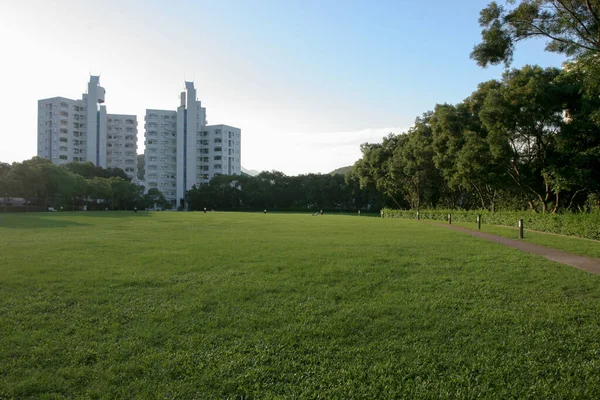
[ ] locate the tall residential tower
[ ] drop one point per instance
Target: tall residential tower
(183, 151)
(81, 131)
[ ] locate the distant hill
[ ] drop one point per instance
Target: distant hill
(250, 172)
(341, 171)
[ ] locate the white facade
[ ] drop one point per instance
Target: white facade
(183, 151)
(62, 130)
(224, 152)
(121, 143)
(96, 122)
(161, 154)
(77, 130)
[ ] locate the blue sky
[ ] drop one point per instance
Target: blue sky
(306, 81)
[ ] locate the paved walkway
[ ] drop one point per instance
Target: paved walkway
(584, 263)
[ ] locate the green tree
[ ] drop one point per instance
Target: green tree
(524, 117)
(90, 171)
(141, 166)
(374, 168)
(462, 151)
(413, 166)
(154, 197)
(99, 190)
(572, 27)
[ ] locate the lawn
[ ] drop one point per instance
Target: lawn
(232, 305)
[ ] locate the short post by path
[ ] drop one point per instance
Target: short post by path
(479, 222)
(418, 216)
(521, 228)
(359, 213)
(449, 219)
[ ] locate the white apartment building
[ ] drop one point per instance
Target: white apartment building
(121, 143)
(161, 151)
(77, 130)
(62, 130)
(183, 151)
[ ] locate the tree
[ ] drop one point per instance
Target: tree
(524, 117)
(462, 151)
(413, 166)
(99, 190)
(4, 168)
(373, 170)
(8, 188)
(572, 28)
(30, 179)
(154, 198)
(141, 165)
(90, 171)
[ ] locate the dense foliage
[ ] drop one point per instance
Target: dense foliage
(277, 191)
(72, 186)
(573, 224)
(530, 140)
(571, 27)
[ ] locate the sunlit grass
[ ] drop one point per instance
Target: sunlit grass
(232, 305)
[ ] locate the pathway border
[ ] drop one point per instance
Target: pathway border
(588, 264)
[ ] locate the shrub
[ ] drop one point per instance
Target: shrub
(585, 225)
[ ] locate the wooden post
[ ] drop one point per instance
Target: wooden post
(521, 228)
(418, 216)
(359, 213)
(479, 222)
(449, 219)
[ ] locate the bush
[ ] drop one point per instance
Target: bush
(585, 225)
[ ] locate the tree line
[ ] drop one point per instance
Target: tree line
(76, 186)
(73, 186)
(529, 140)
(273, 190)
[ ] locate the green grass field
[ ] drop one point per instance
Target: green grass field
(228, 305)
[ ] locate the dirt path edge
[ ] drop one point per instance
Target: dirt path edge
(588, 264)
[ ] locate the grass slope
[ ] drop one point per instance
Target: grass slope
(225, 305)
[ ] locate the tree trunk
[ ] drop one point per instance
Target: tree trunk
(555, 204)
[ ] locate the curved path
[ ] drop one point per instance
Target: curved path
(584, 263)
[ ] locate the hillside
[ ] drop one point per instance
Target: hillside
(341, 170)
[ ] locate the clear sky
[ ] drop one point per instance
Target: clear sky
(306, 81)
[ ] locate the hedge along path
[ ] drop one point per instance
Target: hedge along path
(584, 263)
